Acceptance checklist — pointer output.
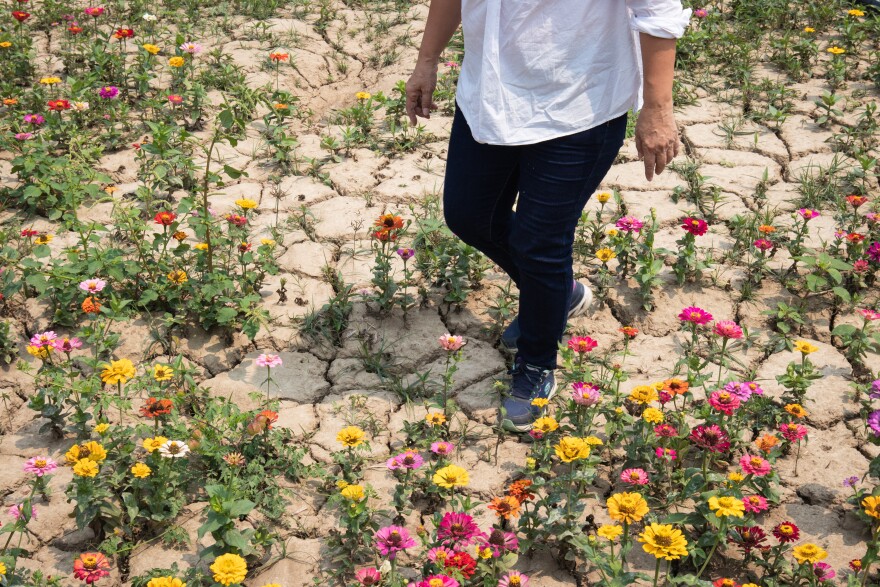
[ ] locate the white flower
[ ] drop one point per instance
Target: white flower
(173, 449)
(80, 106)
(149, 17)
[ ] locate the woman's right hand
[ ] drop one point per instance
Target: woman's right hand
(420, 92)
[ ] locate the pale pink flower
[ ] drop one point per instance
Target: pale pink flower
(16, 511)
(266, 360)
(40, 466)
(451, 343)
(754, 465)
(634, 476)
(585, 394)
(869, 315)
(727, 329)
(43, 338)
(93, 285)
(442, 448)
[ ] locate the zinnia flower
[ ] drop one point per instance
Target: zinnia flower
(786, 532)
(711, 438)
(450, 477)
(726, 506)
(663, 541)
(17, 512)
(173, 449)
(871, 505)
(451, 343)
(627, 507)
(506, 507)
(118, 372)
(93, 285)
(727, 329)
(40, 466)
(823, 571)
(695, 226)
(458, 530)
(748, 538)
(513, 579)
(582, 344)
(754, 465)
(629, 224)
(695, 315)
(585, 394)
(724, 402)
(269, 361)
(405, 460)
(808, 553)
(610, 532)
(368, 577)
(91, 566)
(754, 504)
(141, 470)
(229, 569)
(634, 476)
(442, 448)
(350, 436)
(392, 539)
(571, 448)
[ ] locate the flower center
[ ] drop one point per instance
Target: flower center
(786, 530)
(664, 541)
(40, 463)
(436, 582)
(174, 448)
(90, 562)
(514, 582)
(757, 462)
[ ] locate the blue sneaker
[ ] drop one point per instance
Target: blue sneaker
(581, 300)
(529, 382)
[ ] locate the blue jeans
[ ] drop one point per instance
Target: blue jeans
(554, 179)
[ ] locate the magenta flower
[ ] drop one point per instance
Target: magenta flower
(94, 11)
(34, 119)
(665, 431)
(406, 254)
(695, 315)
(438, 581)
(807, 213)
(794, 432)
(701, 13)
(634, 476)
(712, 438)
(24, 136)
(451, 343)
(869, 315)
(458, 530)
(108, 92)
(823, 571)
(695, 226)
(629, 224)
(727, 329)
(66, 345)
(269, 361)
(17, 513)
(43, 338)
(762, 244)
(405, 460)
(442, 448)
(585, 394)
(40, 466)
(582, 344)
(93, 285)
(668, 454)
(755, 504)
(513, 579)
(368, 576)
(724, 402)
(851, 481)
(499, 542)
(754, 465)
(393, 539)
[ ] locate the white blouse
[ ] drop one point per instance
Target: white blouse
(538, 69)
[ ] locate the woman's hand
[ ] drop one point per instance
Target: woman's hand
(420, 91)
(656, 138)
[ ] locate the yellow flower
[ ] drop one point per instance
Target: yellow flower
(178, 277)
(809, 29)
(435, 418)
(201, 246)
(726, 506)
(735, 477)
(118, 372)
(151, 49)
(141, 471)
(85, 468)
(2, 569)
(350, 436)
(531, 463)
(484, 553)
(836, 50)
(749, 585)
(609, 531)
(808, 553)
(612, 232)
(165, 582)
(663, 541)
(43, 239)
(40, 352)
(603, 197)
(49, 81)
(267, 241)
(856, 12)
(272, 585)
(572, 448)
(162, 372)
(229, 569)
(545, 424)
(362, 96)
(796, 410)
(246, 204)
(643, 394)
(627, 507)
(605, 255)
(153, 444)
(593, 441)
(91, 450)
(653, 415)
(353, 492)
(872, 506)
(176, 61)
(102, 428)
(451, 476)
(804, 347)
(540, 402)
(342, 484)
(5, 45)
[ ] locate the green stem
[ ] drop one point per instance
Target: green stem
(711, 553)
(656, 572)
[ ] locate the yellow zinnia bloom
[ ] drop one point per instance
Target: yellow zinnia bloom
(178, 277)
(353, 492)
(593, 441)
(726, 506)
(49, 81)
(153, 444)
(91, 450)
(609, 531)
(653, 415)
(572, 448)
(2, 569)
(40, 352)
(603, 197)
(350, 436)
(540, 402)
(102, 428)
(804, 347)
(165, 582)
(435, 418)
(118, 372)
(451, 476)
(605, 255)
(85, 468)
(201, 247)
(162, 372)
(151, 49)
(808, 553)
(362, 96)
(229, 569)
(856, 12)
(643, 394)
(176, 61)
(796, 410)
(735, 477)
(627, 507)
(836, 50)
(5, 45)
(141, 471)
(43, 239)
(545, 424)
(246, 204)
(809, 29)
(267, 241)
(872, 506)
(664, 541)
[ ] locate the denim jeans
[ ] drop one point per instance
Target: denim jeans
(533, 245)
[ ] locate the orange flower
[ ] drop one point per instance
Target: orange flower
(389, 222)
(675, 386)
(10, 101)
(156, 407)
(519, 489)
(506, 507)
(91, 305)
(276, 57)
(766, 229)
(767, 442)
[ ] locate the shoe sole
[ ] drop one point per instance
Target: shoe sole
(509, 426)
(579, 310)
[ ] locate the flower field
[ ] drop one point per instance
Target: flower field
(239, 346)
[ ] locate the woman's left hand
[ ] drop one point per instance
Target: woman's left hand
(656, 138)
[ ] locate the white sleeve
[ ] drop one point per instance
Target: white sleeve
(659, 18)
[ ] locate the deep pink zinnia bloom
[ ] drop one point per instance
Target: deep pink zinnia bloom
(695, 226)
(94, 11)
(724, 402)
(439, 555)
(405, 460)
(368, 576)
(634, 476)
(823, 571)
(24, 136)
(807, 213)
(438, 581)
(629, 224)
(513, 579)
(727, 329)
(755, 504)
(665, 430)
(267, 360)
(43, 338)
(499, 542)
(40, 466)
(585, 394)
(442, 448)
(668, 454)
(15, 511)
(406, 254)
(108, 92)
(582, 344)
(712, 438)
(762, 244)
(458, 530)
(869, 315)
(701, 13)
(66, 345)
(754, 465)
(695, 315)
(34, 119)
(392, 539)
(793, 432)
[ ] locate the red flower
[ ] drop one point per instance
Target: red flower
(236, 219)
(856, 200)
(156, 407)
(629, 331)
(464, 562)
(164, 218)
(74, 30)
(29, 232)
(123, 34)
(91, 566)
(786, 532)
(278, 56)
(20, 16)
(695, 226)
(58, 105)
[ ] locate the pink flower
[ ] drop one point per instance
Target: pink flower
(793, 432)
(405, 460)
(513, 579)
(108, 92)
(266, 360)
(727, 329)
(40, 466)
(755, 504)
(701, 13)
(695, 315)
(43, 338)
(869, 315)
(458, 530)
(438, 581)
(499, 542)
(762, 244)
(585, 394)
(406, 254)
(724, 402)
(665, 431)
(392, 539)
(808, 214)
(823, 571)
(175, 99)
(442, 448)
(634, 476)
(629, 224)
(66, 345)
(582, 344)
(668, 454)
(695, 226)
(754, 465)
(368, 576)
(191, 48)
(94, 11)
(451, 343)
(439, 555)
(16, 512)
(93, 285)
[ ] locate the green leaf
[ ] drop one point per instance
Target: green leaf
(235, 539)
(232, 172)
(241, 507)
(842, 294)
(844, 330)
(226, 315)
(226, 119)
